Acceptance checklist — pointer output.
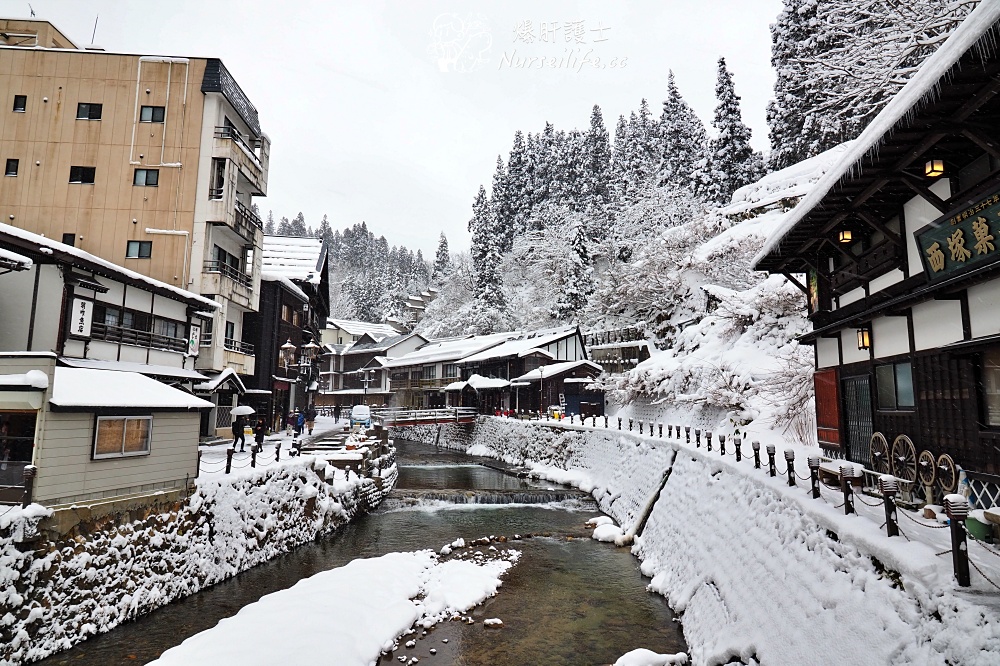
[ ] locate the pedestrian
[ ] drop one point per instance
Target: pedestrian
(238, 425)
(297, 421)
(310, 418)
(258, 433)
(336, 413)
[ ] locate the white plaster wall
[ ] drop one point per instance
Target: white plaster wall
(165, 307)
(133, 354)
(159, 357)
(936, 323)
(984, 308)
(137, 299)
(886, 280)
(48, 310)
(917, 213)
(827, 352)
(890, 336)
(15, 307)
(852, 296)
(849, 343)
(114, 294)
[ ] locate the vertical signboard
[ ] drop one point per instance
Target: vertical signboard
(82, 317)
(194, 339)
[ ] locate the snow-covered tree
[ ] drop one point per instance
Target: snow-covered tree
(596, 157)
(442, 259)
(732, 162)
(324, 232)
(284, 227)
(486, 254)
(683, 142)
(269, 225)
(297, 227)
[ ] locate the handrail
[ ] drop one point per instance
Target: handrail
(229, 132)
(131, 336)
(238, 346)
(233, 274)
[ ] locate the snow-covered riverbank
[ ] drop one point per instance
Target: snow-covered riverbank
(760, 571)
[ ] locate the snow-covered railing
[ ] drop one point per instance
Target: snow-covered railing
(396, 417)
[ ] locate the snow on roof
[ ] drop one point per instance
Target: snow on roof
(268, 276)
(523, 343)
(455, 386)
(47, 246)
(554, 369)
(75, 387)
(32, 378)
(449, 349)
(354, 327)
(18, 261)
(293, 257)
(213, 384)
(791, 182)
(480, 383)
(923, 85)
(125, 366)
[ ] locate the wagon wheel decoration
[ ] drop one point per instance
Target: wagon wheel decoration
(947, 474)
(904, 459)
(927, 468)
(879, 453)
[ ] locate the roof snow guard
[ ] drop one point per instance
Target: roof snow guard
(960, 79)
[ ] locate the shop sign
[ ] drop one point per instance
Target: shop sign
(961, 241)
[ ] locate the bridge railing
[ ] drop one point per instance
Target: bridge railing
(395, 416)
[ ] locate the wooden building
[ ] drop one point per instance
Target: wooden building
(899, 244)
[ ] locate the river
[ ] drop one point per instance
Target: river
(570, 601)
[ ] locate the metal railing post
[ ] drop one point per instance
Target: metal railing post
(771, 469)
(697, 438)
(277, 452)
(846, 475)
(957, 508)
(889, 488)
(722, 443)
(738, 442)
(687, 434)
(755, 445)
(253, 456)
(229, 460)
(28, 478)
(197, 471)
(708, 439)
(790, 461)
(813, 462)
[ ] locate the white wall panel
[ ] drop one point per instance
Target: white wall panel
(890, 336)
(849, 344)
(887, 280)
(852, 296)
(984, 308)
(917, 213)
(827, 352)
(936, 323)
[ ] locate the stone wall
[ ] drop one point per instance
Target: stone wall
(69, 581)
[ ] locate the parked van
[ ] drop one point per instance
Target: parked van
(361, 415)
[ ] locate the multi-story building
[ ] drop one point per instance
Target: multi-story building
(149, 162)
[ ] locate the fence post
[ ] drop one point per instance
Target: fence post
(790, 461)
(28, 478)
(846, 474)
(640, 427)
(605, 420)
(229, 460)
(630, 425)
(957, 508)
(253, 456)
(722, 444)
(770, 461)
(619, 423)
(198, 469)
(889, 487)
(687, 434)
(755, 445)
(813, 462)
(708, 439)
(697, 438)
(277, 452)
(737, 441)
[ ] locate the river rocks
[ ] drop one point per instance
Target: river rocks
(493, 623)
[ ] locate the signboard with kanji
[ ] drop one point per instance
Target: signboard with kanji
(81, 318)
(961, 241)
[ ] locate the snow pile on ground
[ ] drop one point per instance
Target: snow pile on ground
(62, 592)
(351, 614)
(760, 571)
(644, 657)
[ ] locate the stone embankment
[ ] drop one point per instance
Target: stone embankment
(760, 572)
(58, 587)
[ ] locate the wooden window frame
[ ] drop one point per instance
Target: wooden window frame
(122, 452)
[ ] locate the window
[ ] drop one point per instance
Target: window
(450, 370)
(152, 114)
(226, 259)
(991, 386)
(139, 250)
(117, 317)
(429, 372)
(168, 328)
(82, 174)
(230, 330)
(286, 313)
(146, 177)
(88, 111)
(296, 318)
(20, 103)
(69, 239)
(894, 384)
(216, 188)
(122, 436)
(11, 169)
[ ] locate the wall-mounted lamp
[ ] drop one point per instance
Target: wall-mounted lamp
(845, 236)
(287, 354)
(934, 168)
(864, 338)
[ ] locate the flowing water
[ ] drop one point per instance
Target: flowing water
(570, 601)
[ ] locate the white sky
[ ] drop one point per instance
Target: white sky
(364, 123)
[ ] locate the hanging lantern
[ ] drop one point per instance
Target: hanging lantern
(864, 338)
(845, 236)
(311, 350)
(287, 353)
(934, 168)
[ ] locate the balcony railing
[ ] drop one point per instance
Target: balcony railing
(233, 274)
(246, 223)
(227, 132)
(216, 193)
(238, 346)
(131, 336)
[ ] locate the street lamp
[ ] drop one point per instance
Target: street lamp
(288, 354)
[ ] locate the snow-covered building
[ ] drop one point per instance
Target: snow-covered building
(899, 247)
(618, 350)
(348, 331)
(357, 374)
(92, 434)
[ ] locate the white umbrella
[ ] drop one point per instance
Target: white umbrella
(242, 410)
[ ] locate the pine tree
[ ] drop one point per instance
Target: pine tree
(324, 232)
(619, 161)
(442, 260)
(486, 256)
(733, 162)
(269, 225)
(285, 227)
(298, 226)
(683, 142)
(577, 283)
(596, 165)
(518, 186)
(502, 207)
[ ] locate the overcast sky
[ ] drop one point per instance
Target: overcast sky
(395, 112)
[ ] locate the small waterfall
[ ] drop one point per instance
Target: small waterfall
(526, 496)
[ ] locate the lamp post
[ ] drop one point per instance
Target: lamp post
(288, 359)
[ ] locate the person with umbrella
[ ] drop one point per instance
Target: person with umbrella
(239, 423)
